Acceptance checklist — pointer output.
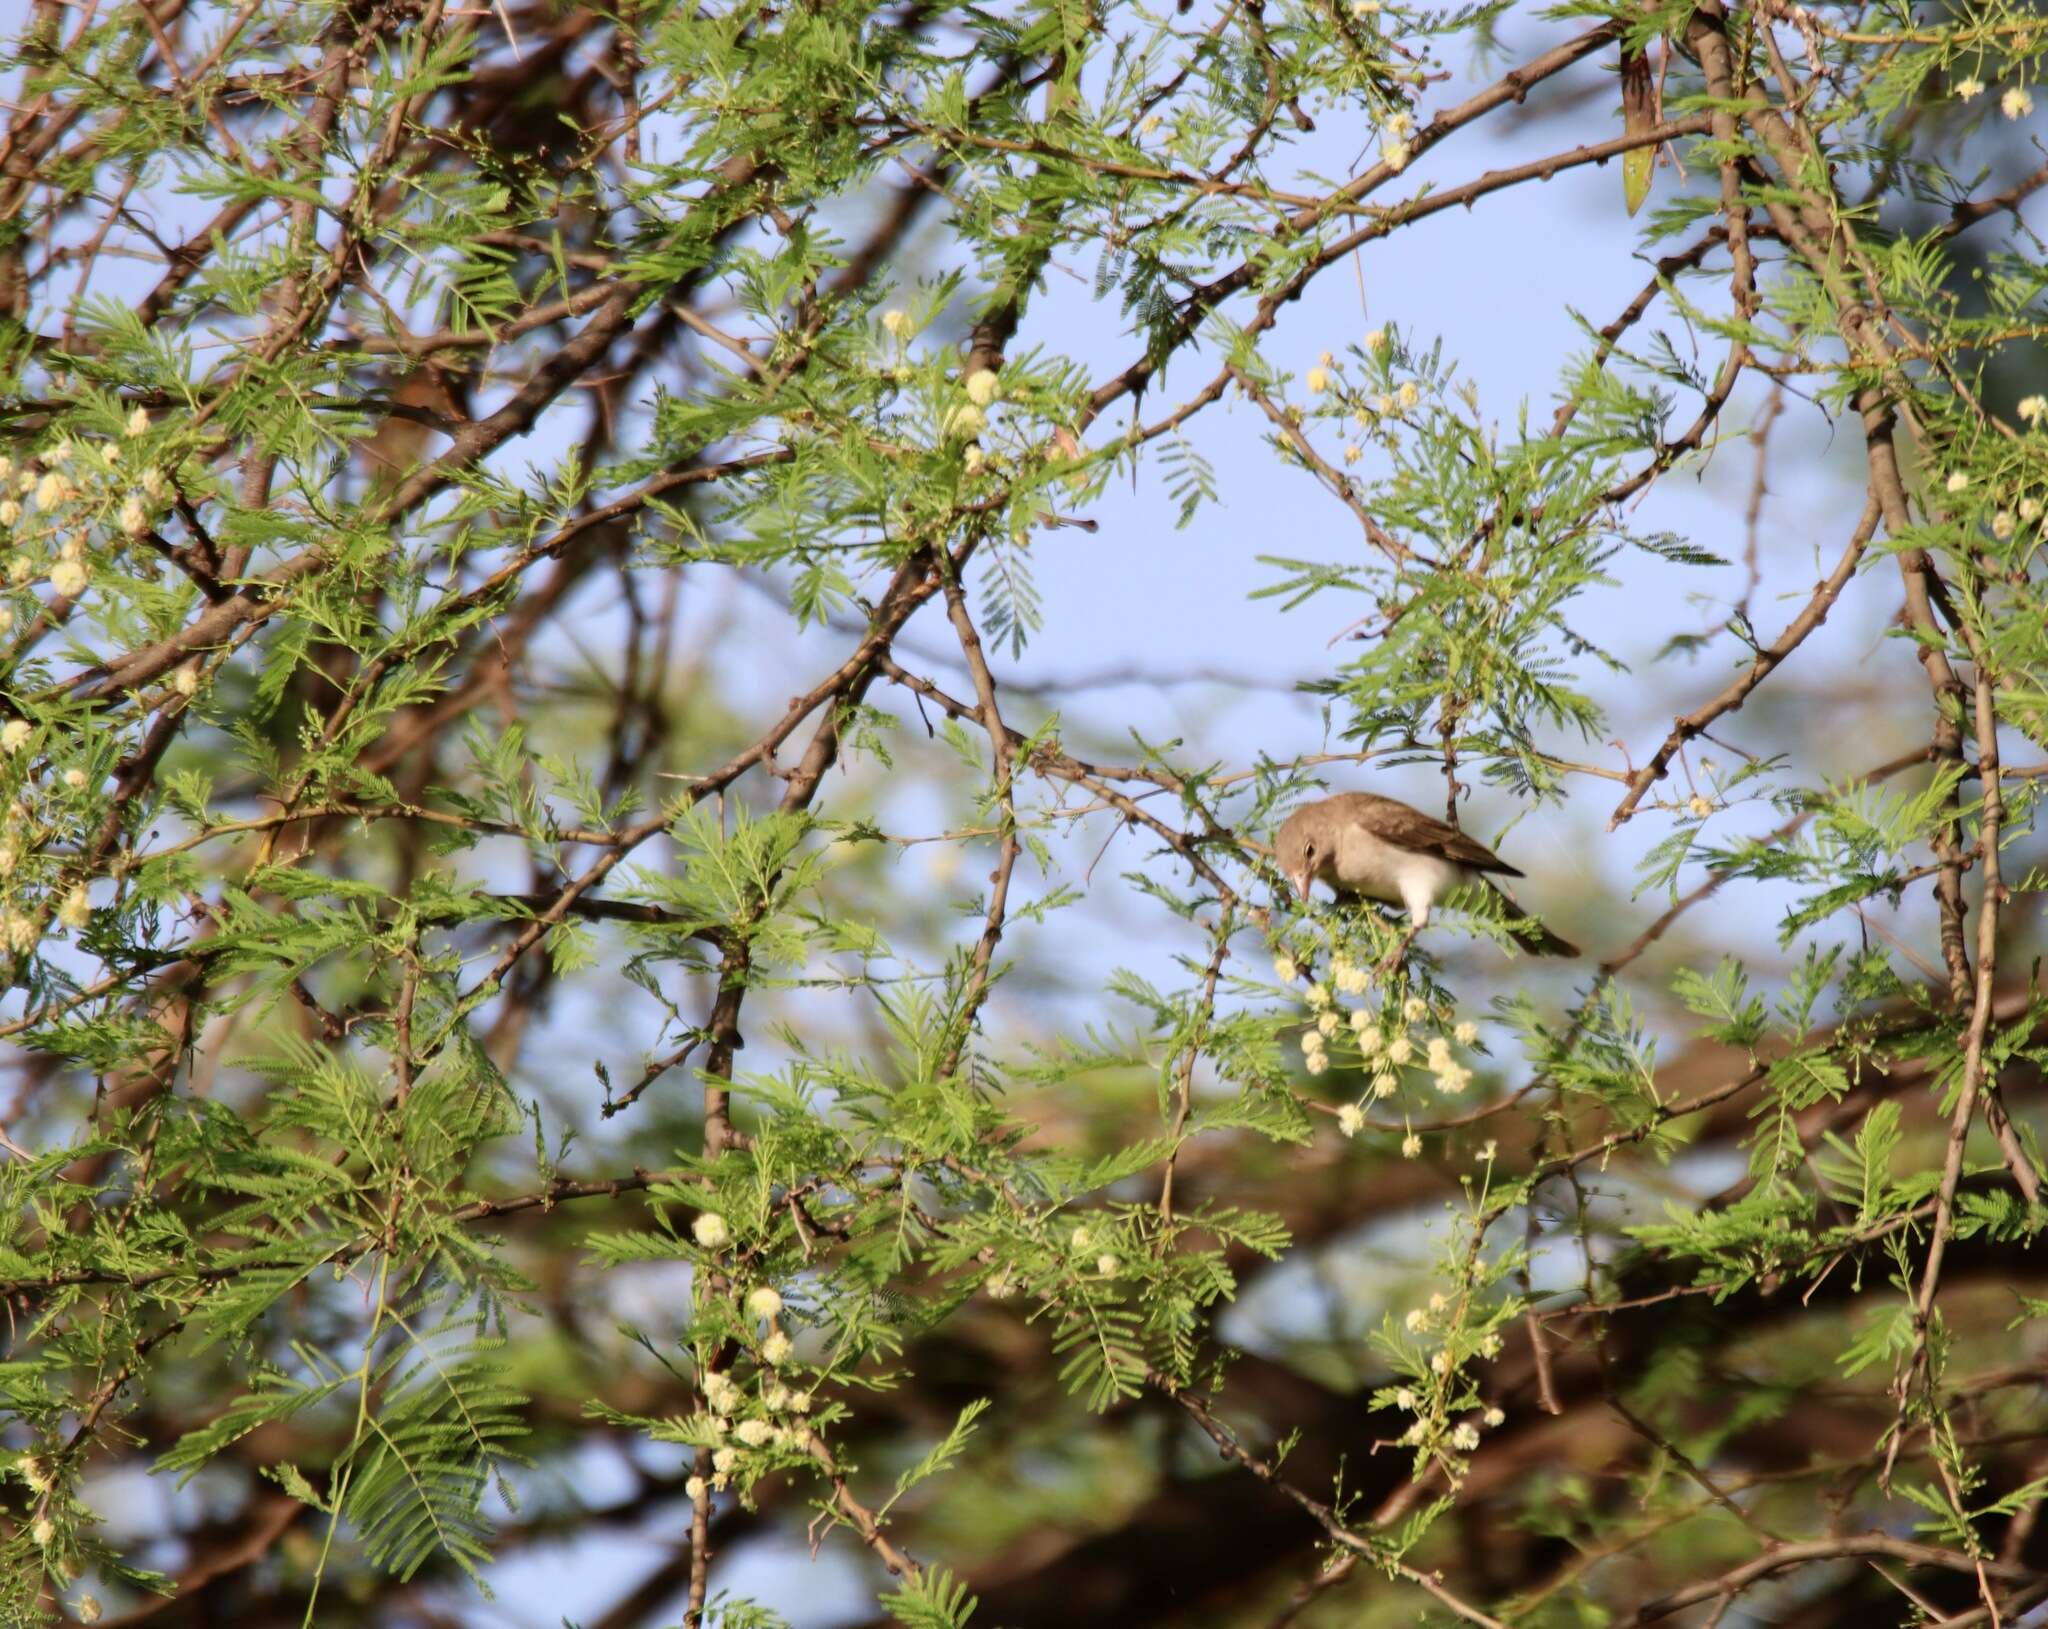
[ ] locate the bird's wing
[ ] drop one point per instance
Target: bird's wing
(1395, 822)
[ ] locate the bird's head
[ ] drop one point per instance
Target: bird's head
(1301, 849)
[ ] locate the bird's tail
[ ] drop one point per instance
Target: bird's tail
(1535, 937)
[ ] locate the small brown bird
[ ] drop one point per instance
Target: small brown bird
(1360, 843)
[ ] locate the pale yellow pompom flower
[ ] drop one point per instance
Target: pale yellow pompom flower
(2016, 103)
(1318, 380)
(76, 911)
(69, 577)
(764, 1302)
(1351, 1119)
(710, 1231)
(138, 422)
(897, 323)
(1968, 90)
(982, 386)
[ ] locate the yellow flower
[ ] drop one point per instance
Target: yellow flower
(138, 422)
(710, 1230)
(897, 322)
(69, 578)
(1411, 1145)
(1968, 90)
(134, 519)
(1394, 154)
(76, 910)
(1376, 340)
(764, 1302)
(2033, 408)
(1409, 395)
(966, 421)
(982, 386)
(1318, 380)
(1351, 1119)
(2016, 103)
(1958, 482)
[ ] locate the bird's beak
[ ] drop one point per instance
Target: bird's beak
(1302, 881)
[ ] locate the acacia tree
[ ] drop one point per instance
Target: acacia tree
(390, 385)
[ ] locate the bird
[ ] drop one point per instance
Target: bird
(1380, 848)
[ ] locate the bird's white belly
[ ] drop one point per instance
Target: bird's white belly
(1368, 865)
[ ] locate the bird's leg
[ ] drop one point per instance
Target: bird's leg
(1392, 959)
